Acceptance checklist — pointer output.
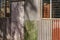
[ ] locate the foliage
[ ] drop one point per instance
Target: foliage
(31, 31)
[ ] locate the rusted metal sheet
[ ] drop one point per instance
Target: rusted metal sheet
(56, 30)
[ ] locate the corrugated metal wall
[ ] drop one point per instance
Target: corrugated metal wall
(46, 29)
(50, 29)
(56, 29)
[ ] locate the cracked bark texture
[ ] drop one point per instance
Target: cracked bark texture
(17, 20)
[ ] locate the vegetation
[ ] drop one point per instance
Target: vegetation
(30, 31)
